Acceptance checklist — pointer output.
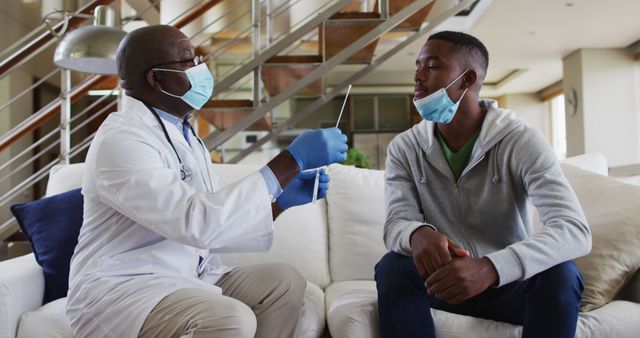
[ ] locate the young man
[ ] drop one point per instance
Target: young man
(458, 226)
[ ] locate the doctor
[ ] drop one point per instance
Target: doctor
(155, 214)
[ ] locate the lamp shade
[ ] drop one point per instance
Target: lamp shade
(90, 49)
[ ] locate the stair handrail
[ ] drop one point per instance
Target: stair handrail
(278, 46)
(39, 118)
(217, 138)
(56, 69)
(42, 116)
(335, 91)
(45, 39)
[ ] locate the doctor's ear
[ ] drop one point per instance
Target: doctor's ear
(152, 79)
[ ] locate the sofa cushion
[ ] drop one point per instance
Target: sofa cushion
(613, 213)
(47, 321)
(352, 309)
(50, 320)
(352, 313)
(21, 290)
(52, 225)
(64, 177)
(356, 221)
(300, 237)
(312, 320)
(594, 162)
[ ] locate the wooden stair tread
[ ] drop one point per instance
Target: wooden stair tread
(223, 114)
(355, 16)
(412, 23)
(294, 59)
(228, 104)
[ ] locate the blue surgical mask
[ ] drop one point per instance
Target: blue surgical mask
(438, 106)
(201, 82)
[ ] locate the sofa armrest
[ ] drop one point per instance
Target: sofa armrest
(631, 291)
(21, 290)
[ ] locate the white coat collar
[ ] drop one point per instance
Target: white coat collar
(137, 110)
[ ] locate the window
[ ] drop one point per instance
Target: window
(558, 127)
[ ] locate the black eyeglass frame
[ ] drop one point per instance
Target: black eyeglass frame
(199, 59)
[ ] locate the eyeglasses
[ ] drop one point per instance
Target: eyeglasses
(200, 59)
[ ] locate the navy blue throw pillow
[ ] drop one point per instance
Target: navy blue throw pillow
(52, 225)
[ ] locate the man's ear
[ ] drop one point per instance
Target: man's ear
(152, 79)
(469, 79)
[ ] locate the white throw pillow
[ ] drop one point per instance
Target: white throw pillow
(64, 177)
(356, 222)
(613, 213)
(300, 237)
(595, 163)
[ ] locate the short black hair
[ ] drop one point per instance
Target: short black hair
(475, 48)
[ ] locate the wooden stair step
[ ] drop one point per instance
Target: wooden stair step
(294, 59)
(225, 113)
(229, 104)
(346, 16)
(343, 29)
(279, 77)
(412, 23)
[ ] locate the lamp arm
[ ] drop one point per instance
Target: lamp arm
(67, 15)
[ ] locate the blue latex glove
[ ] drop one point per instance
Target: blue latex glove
(319, 147)
(300, 190)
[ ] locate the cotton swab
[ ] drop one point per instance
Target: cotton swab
(316, 183)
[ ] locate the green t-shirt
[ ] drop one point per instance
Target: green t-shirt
(457, 161)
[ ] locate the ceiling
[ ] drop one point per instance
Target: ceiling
(527, 39)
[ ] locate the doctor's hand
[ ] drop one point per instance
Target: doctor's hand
(432, 250)
(300, 190)
(319, 147)
(462, 279)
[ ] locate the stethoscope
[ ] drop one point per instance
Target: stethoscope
(185, 172)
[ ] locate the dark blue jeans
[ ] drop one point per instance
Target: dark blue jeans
(546, 304)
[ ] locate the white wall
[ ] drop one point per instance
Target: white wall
(608, 114)
(17, 112)
(16, 21)
(531, 110)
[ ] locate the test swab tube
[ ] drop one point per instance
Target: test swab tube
(316, 183)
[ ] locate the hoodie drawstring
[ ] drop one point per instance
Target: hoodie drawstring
(496, 172)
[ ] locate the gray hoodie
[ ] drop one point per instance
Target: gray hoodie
(487, 210)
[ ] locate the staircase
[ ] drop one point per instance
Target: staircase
(256, 70)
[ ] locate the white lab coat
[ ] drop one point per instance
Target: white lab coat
(144, 229)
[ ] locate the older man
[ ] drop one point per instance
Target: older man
(155, 215)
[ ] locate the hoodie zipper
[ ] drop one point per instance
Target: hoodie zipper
(457, 197)
(458, 203)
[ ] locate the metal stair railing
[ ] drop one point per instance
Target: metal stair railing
(217, 138)
(282, 127)
(280, 45)
(37, 119)
(21, 54)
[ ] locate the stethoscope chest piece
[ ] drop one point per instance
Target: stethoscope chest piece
(185, 173)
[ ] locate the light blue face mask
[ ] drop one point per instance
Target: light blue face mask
(438, 106)
(201, 82)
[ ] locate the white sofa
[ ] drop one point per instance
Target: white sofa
(335, 245)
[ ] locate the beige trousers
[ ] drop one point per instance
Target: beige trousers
(263, 300)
